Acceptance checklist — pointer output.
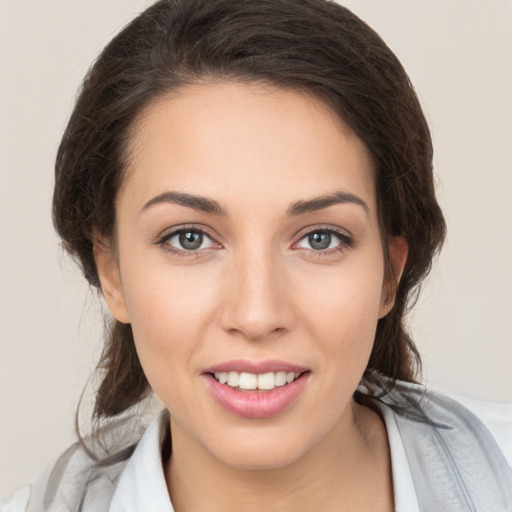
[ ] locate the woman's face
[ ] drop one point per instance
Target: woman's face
(248, 249)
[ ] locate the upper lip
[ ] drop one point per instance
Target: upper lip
(256, 367)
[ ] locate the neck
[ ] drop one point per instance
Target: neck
(349, 470)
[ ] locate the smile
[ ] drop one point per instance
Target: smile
(256, 390)
(252, 381)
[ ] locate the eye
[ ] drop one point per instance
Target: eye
(187, 240)
(324, 240)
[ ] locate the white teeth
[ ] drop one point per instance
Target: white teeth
(222, 377)
(281, 378)
(233, 379)
(266, 381)
(248, 381)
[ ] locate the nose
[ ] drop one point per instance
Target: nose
(257, 304)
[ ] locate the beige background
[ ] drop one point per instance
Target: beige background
(459, 56)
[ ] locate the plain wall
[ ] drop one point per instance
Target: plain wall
(459, 56)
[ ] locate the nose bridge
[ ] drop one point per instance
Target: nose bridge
(257, 304)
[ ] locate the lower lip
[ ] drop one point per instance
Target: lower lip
(257, 405)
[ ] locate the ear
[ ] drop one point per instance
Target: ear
(110, 279)
(398, 250)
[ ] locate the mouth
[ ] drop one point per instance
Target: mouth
(256, 390)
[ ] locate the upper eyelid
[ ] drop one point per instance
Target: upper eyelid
(172, 231)
(322, 227)
(345, 238)
(163, 240)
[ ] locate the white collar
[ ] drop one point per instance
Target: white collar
(405, 494)
(142, 484)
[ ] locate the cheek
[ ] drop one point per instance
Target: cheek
(343, 314)
(162, 299)
(169, 310)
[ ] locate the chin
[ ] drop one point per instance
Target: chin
(262, 449)
(259, 460)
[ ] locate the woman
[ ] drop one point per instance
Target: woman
(250, 185)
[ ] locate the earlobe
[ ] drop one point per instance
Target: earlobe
(110, 279)
(398, 251)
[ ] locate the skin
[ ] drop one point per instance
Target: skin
(256, 289)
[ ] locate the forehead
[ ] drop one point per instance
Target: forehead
(234, 139)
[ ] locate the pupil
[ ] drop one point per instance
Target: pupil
(191, 240)
(320, 241)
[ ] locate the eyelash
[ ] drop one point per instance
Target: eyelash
(163, 240)
(345, 240)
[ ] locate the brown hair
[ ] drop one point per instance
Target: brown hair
(315, 46)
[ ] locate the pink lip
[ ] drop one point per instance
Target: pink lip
(256, 404)
(257, 367)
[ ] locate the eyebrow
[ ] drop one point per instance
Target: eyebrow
(321, 202)
(208, 205)
(199, 203)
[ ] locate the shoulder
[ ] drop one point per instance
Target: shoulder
(75, 478)
(457, 449)
(461, 424)
(89, 481)
(496, 416)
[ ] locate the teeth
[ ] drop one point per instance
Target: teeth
(266, 381)
(233, 379)
(281, 378)
(249, 381)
